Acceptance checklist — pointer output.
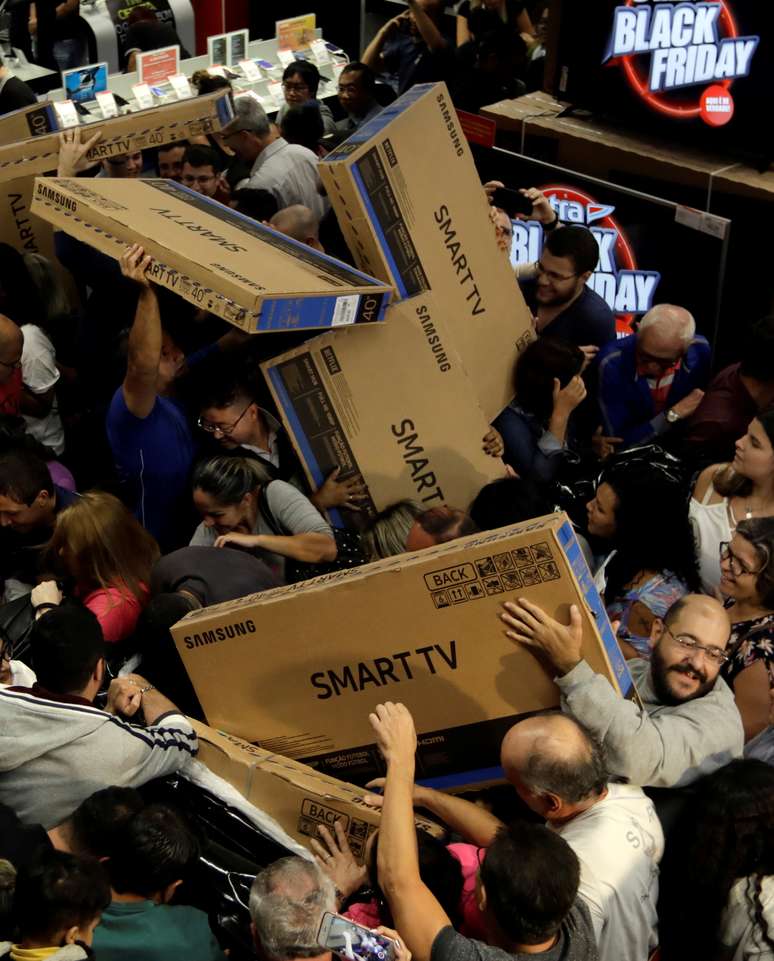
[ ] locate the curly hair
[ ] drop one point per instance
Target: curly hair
(725, 834)
(653, 532)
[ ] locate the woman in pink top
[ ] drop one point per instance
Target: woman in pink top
(103, 551)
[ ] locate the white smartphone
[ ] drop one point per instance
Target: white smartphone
(353, 941)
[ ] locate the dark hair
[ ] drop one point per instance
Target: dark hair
(20, 299)
(652, 529)
(58, 891)
(221, 380)
(531, 877)
(199, 155)
(757, 356)
(303, 124)
(537, 366)
(438, 869)
(23, 475)
(759, 531)
(574, 779)
(576, 242)
(228, 479)
(256, 203)
(367, 76)
(725, 834)
(98, 821)
(66, 645)
(730, 484)
(175, 145)
(13, 434)
(155, 849)
(308, 73)
(209, 82)
(444, 527)
(509, 500)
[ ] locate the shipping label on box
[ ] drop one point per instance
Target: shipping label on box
(244, 272)
(298, 797)
(393, 404)
(120, 135)
(413, 211)
(298, 669)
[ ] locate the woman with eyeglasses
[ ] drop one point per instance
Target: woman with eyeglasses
(726, 494)
(300, 81)
(241, 507)
(747, 580)
(638, 513)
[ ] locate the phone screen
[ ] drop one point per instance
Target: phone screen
(354, 942)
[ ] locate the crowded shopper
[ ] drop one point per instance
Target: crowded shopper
(169, 160)
(747, 581)
(652, 380)
(476, 17)
(202, 171)
(638, 515)
(726, 494)
(357, 95)
(300, 81)
(688, 724)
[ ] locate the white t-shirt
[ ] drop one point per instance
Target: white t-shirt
(740, 933)
(40, 374)
(619, 843)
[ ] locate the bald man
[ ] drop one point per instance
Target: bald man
(558, 770)
(651, 381)
(688, 725)
(11, 347)
(300, 223)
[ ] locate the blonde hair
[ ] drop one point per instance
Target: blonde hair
(101, 545)
(386, 534)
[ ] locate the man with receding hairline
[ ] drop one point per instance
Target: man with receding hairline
(300, 223)
(689, 723)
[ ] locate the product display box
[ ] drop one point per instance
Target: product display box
(244, 272)
(297, 669)
(413, 211)
(296, 796)
(34, 120)
(120, 135)
(394, 404)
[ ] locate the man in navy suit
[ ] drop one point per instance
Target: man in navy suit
(650, 381)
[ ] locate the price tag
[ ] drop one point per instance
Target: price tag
(181, 86)
(251, 71)
(320, 52)
(143, 96)
(66, 113)
(107, 104)
(276, 93)
(285, 57)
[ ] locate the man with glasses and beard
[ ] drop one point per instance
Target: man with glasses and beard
(688, 725)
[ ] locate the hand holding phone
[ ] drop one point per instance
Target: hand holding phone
(513, 202)
(353, 941)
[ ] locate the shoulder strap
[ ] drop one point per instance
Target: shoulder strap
(265, 510)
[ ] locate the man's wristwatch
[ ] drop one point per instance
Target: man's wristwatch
(552, 226)
(672, 416)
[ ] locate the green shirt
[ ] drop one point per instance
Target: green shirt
(154, 932)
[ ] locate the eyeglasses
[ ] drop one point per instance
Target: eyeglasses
(209, 428)
(713, 654)
(14, 365)
(294, 87)
(552, 274)
(737, 565)
(663, 363)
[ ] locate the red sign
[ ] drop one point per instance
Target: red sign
(480, 130)
(157, 66)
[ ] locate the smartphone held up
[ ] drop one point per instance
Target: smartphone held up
(353, 941)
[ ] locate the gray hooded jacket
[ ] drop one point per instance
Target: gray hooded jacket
(53, 755)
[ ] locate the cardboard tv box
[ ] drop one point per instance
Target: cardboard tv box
(298, 669)
(244, 272)
(295, 795)
(34, 120)
(412, 209)
(392, 403)
(120, 135)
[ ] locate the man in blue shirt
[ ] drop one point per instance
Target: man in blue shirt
(148, 429)
(650, 381)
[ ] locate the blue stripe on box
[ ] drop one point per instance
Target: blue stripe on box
(580, 569)
(298, 432)
(377, 227)
(466, 777)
